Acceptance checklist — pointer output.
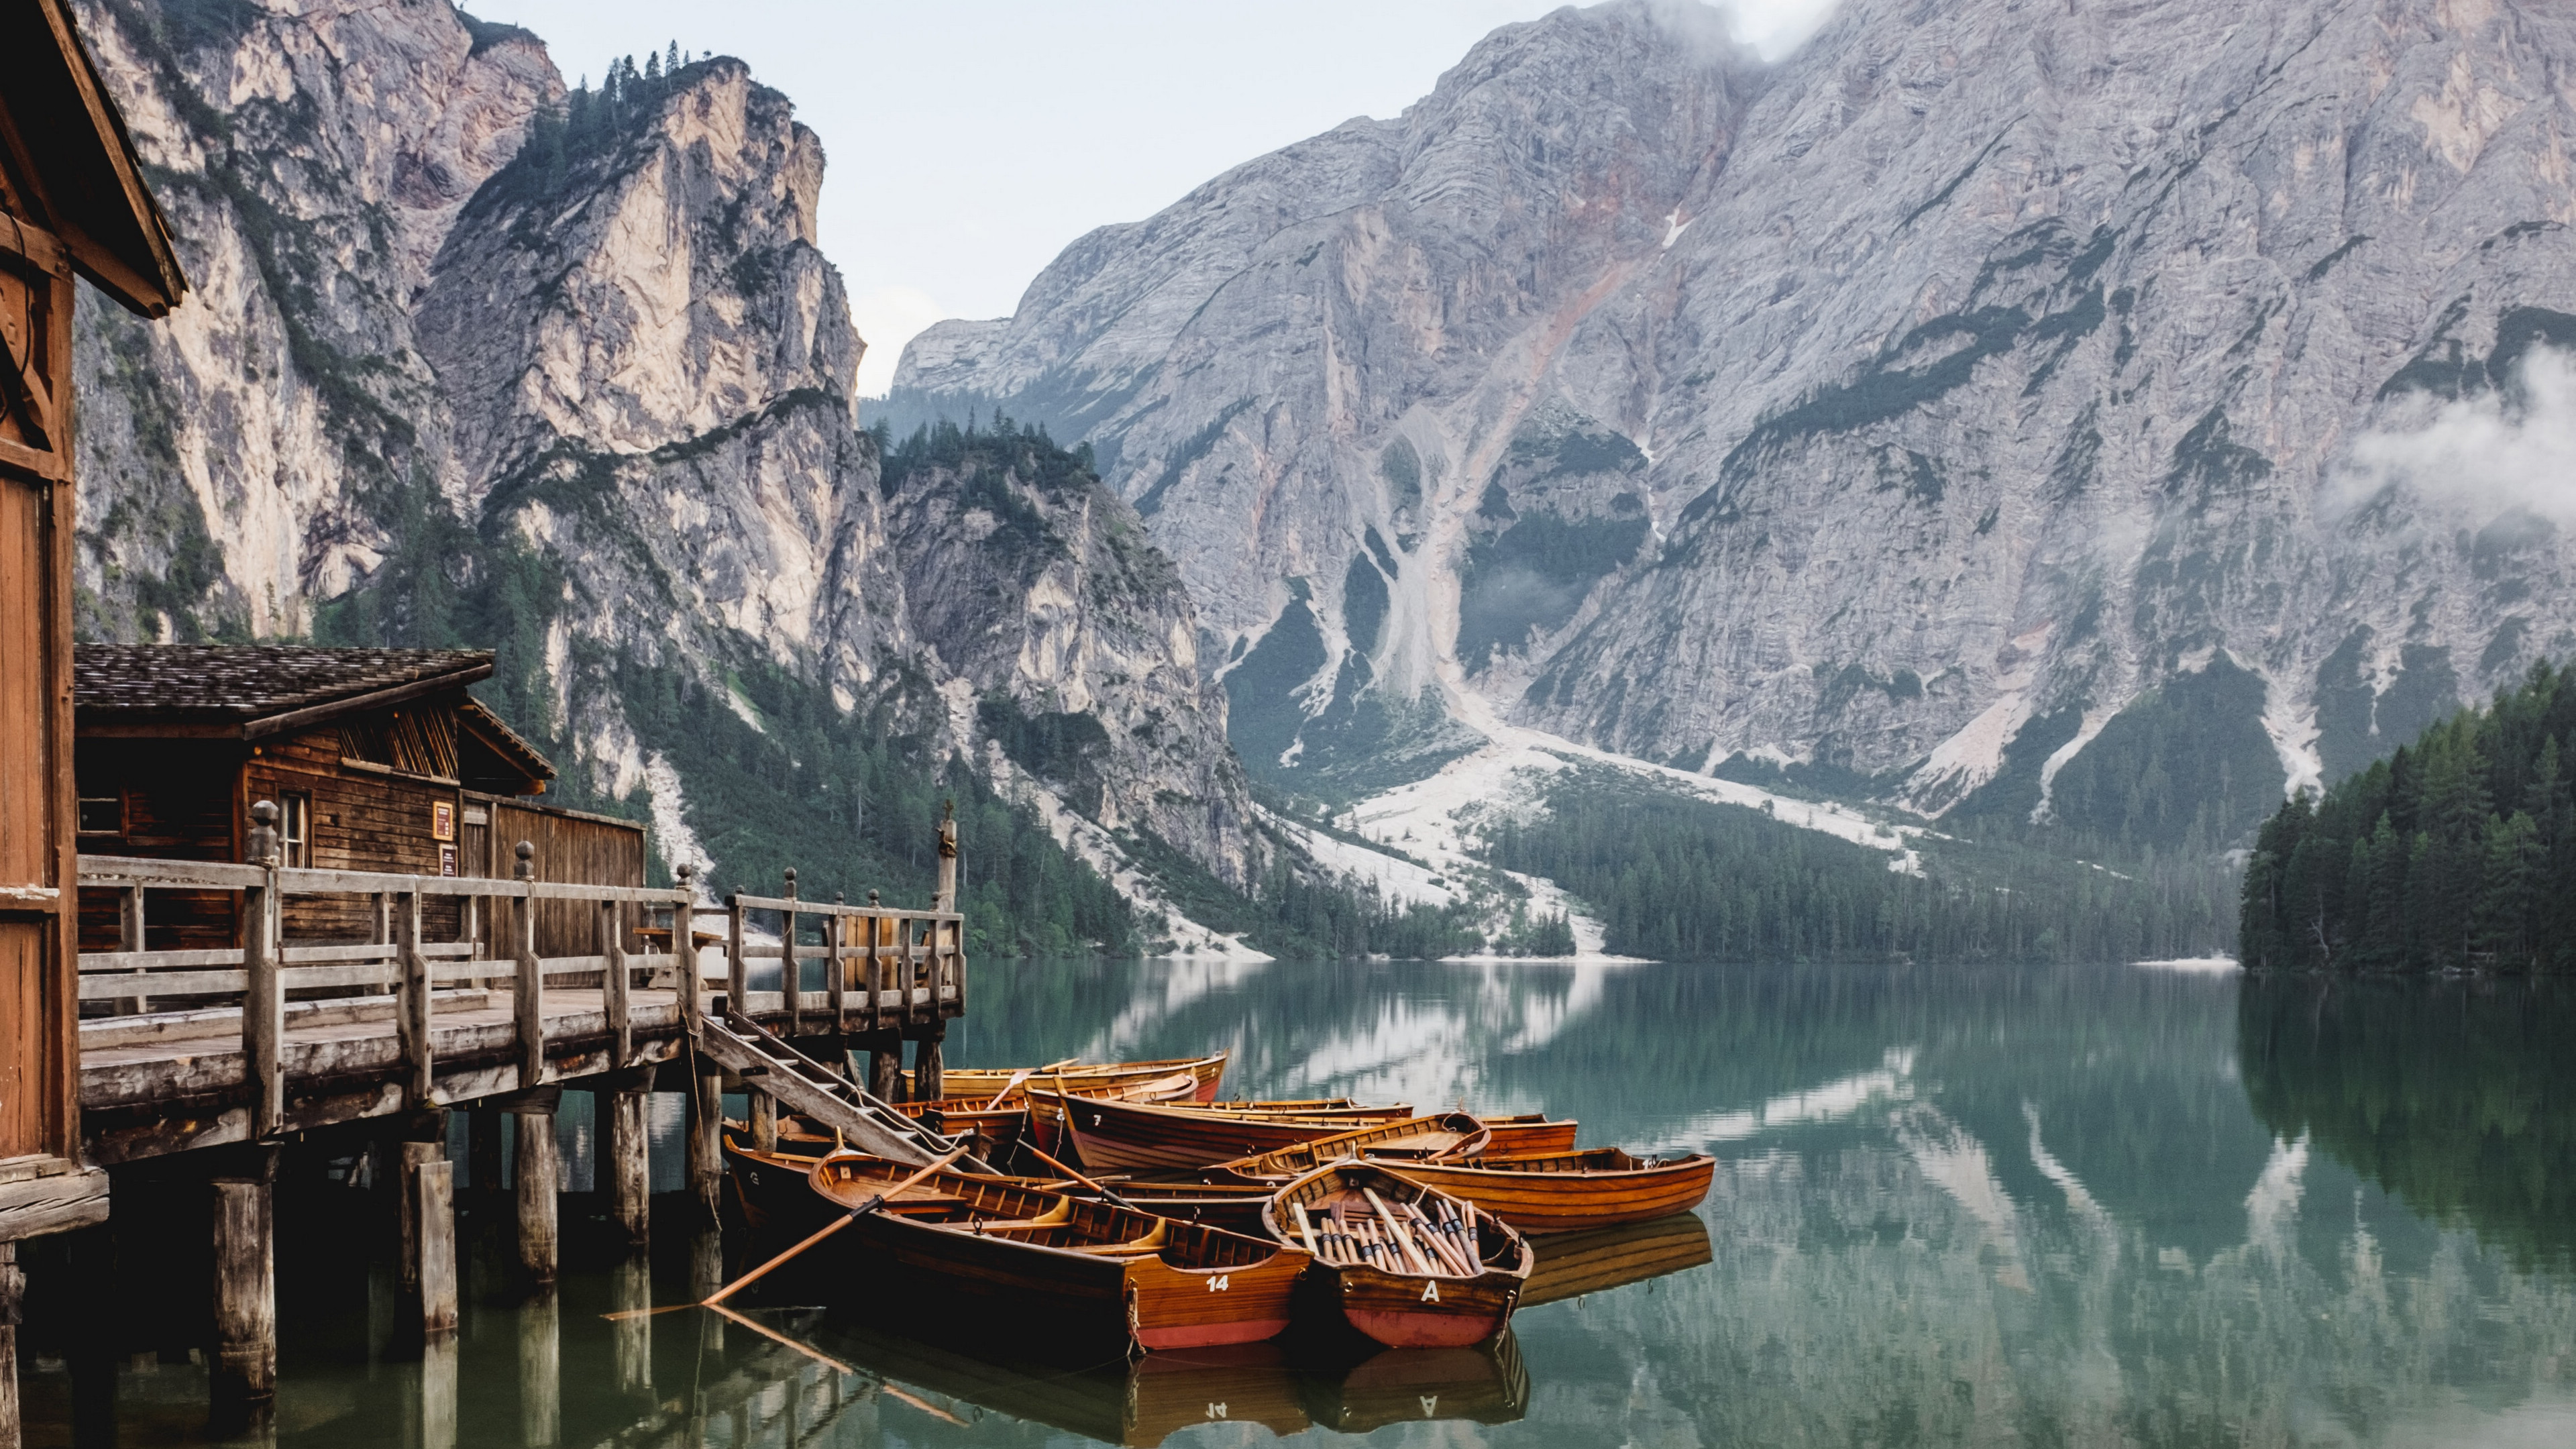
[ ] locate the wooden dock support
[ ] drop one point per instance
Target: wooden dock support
(433, 1195)
(764, 1120)
(243, 1376)
(706, 1138)
(13, 1284)
(539, 1175)
(626, 1171)
(414, 1156)
(483, 1171)
(885, 1063)
(926, 1062)
(528, 983)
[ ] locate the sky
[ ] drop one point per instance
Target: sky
(968, 141)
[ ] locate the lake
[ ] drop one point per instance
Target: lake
(1953, 1206)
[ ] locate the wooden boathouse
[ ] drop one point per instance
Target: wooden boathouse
(275, 902)
(72, 202)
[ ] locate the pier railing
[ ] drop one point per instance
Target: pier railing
(880, 968)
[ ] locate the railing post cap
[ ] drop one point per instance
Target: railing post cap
(265, 812)
(791, 875)
(872, 899)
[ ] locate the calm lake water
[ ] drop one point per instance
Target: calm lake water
(2110, 1205)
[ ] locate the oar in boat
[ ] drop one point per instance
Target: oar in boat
(1022, 1075)
(827, 1230)
(1032, 1149)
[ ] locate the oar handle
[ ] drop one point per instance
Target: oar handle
(828, 1229)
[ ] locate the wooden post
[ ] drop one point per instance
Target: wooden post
(926, 1063)
(433, 1186)
(381, 912)
(412, 1013)
(541, 1369)
(684, 943)
(876, 968)
(627, 1171)
(415, 1156)
(483, 1173)
(540, 1177)
(791, 980)
(614, 985)
(263, 996)
(764, 1120)
(12, 1285)
(243, 1375)
(738, 967)
(946, 898)
(706, 1139)
(528, 988)
(129, 937)
(836, 981)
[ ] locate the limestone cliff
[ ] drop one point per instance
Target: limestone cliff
(2019, 409)
(474, 359)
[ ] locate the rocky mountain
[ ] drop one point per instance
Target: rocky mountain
(473, 358)
(2099, 415)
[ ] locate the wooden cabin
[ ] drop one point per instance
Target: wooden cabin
(377, 759)
(72, 202)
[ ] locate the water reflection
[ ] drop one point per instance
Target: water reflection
(1952, 1207)
(2457, 1096)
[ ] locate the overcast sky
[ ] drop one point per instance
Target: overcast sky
(970, 140)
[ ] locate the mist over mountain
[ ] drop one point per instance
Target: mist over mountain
(2107, 416)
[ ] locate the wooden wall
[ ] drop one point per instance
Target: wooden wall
(186, 799)
(571, 846)
(38, 916)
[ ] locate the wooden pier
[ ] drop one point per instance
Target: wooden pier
(219, 1055)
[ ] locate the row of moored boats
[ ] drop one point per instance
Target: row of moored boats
(1141, 1211)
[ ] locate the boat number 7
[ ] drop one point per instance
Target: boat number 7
(1218, 1284)
(1430, 1292)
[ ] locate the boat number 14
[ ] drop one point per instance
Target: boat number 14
(1218, 1284)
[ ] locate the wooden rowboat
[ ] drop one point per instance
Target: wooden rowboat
(1530, 1135)
(1155, 1138)
(1569, 1192)
(775, 1190)
(1573, 1264)
(1007, 1083)
(1450, 1134)
(1083, 1275)
(1411, 1268)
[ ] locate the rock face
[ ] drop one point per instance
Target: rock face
(1990, 407)
(474, 358)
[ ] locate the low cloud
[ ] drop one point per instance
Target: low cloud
(2487, 454)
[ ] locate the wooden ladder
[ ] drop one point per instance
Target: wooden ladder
(818, 1094)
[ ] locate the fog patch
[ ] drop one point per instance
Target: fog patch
(2489, 454)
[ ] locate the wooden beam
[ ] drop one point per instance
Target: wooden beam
(528, 987)
(263, 991)
(413, 1015)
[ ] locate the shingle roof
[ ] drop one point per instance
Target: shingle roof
(247, 684)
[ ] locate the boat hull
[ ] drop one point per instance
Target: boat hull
(1142, 1138)
(1569, 1198)
(1009, 1258)
(1427, 1312)
(1407, 1307)
(988, 1083)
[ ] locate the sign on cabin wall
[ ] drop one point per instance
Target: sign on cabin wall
(442, 824)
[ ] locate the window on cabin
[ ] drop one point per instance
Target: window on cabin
(295, 829)
(102, 814)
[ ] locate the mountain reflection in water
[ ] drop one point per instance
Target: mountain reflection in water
(1953, 1206)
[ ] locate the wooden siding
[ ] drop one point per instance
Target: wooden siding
(38, 889)
(572, 847)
